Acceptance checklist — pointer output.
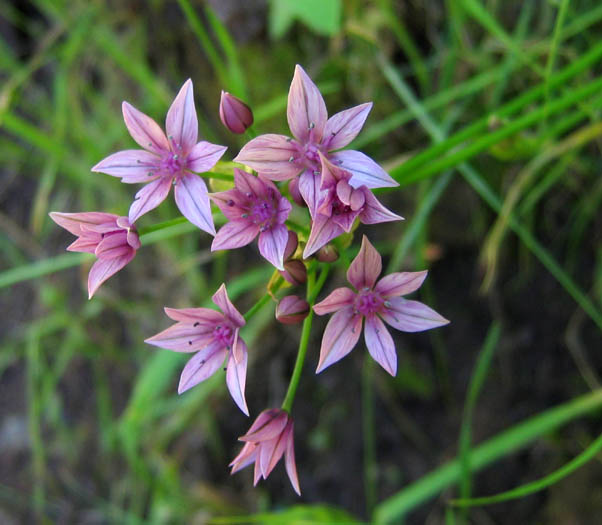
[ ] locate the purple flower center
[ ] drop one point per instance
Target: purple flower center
(174, 164)
(261, 211)
(224, 334)
(340, 208)
(368, 302)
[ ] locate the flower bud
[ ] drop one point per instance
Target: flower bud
(234, 113)
(292, 310)
(293, 189)
(294, 272)
(291, 245)
(327, 254)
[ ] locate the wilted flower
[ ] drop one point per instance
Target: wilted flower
(167, 160)
(254, 207)
(111, 238)
(279, 157)
(342, 200)
(213, 336)
(376, 302)
(270, 436)
(234, 113)
(292, 310)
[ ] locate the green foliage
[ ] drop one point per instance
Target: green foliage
(321, 16)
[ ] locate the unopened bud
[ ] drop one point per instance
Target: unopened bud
(327, 254)
(291, 245)
(292, 310)
(234, 113)
(293, 189)
(294, 272)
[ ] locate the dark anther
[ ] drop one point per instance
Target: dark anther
(190, 343)
(196, 324)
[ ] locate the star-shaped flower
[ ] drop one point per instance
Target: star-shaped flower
(376, 302)
(254, 207)
(167, 160)
(214, 336)
(278, 157)
(111, 238)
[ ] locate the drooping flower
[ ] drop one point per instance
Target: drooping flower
(214, 336)
(254, 207)
(342, 200)
(111, 238)
(376, 302)
(234, 113)
(167, 160)
(278, 157)
(270, 436)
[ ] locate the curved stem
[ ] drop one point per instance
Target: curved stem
(257, 306)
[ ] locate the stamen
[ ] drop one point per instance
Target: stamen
(291, 159)
(190, 343)
(312, 125)
(196, 324)
(388, 304)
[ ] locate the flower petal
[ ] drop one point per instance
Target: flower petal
(183, 337)
(267, 426)
(113, 245)
(181, 123)
(374, 212)
(340, 336)
(73, 222)
(236, 376)
(380, 344)
(203, 156)
(234, 234)
(270, 453)
(202, 366)
(366, 267)
(239, 347)
(230, 203)
(272, 243)
(289, 459)
(102, 269)
(149, 197)
(350, 196)
(132, 165)
(274, 156)
(310, 189)
(193, 201)
(410, 316)
(306, 110)
(245, 457)
(323, 230)
(202, 316)
(337, 299)
(402, 283)
(364, 170)
(221, 299)
(144, 130)
(283, 211)
(343, 127)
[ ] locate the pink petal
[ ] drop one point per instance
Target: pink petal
(366, 267)
(331, 174)
(236, 376)
(343, 127)
(270, 453)
(269, 424)
(410, 316)
(193, 201)
(239, 347)
(201, 366)
(144, 130)
(271, 155)
(73, 222)
(341, 335)
(221, 299)
(203, 316)
(86, 243)
(234, 234)
(354, 198)
(246, 183)
(364, 170)
(380, 344)
(374, 212)
(272, 243)
(245, 457)
(345, 220)
(181, 123)
(337, 299)
(402, 283)
(283, 211)
(230, 203)
(132, 165)
(113, 245)
(104, 268)
(323, 230)
(149, 197)
(310, 189)
(183, 337)
(289, 459)
(306, 111)
(203, 156)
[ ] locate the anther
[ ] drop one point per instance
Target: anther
(291, 159)
(190, 343)
(244, 216)
(312, 125)
(289, 139)
(196, 324)
(230, 202)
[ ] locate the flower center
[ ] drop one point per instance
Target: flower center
(340, 208)
(224, 334)
(174, 164)
(368, 302)
(262, 211)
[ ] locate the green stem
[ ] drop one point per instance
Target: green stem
(368, 434)
(215, 175)
(257, 306)
(162, 225)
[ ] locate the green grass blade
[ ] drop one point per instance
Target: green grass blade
(40, 268)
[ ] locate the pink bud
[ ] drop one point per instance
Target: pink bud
(294, 272)
(291, 245)
(234, 113)
(293, 189)
(327, 254)
(292, 310)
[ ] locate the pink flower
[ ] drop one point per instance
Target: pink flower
(111, 238)
(270, 436)
(342, 200)
(376, 302)
(167, 160)
(278, 157)
(213, 336)
(254, 207)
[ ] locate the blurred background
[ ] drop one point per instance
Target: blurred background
(505, 215)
